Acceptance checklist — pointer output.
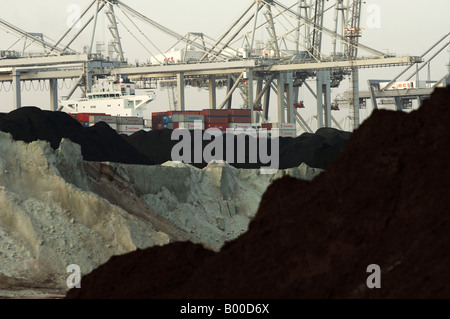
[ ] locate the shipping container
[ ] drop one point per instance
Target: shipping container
(216, 119)
(267, 126)
(239, 125)
(165, 119)
(239, 119)
(189, 125)
(157, 119)
(129, 128)
(213, 112)
(285, 132)
(134, 120)
(403, 85)
(184, 112)
(84, 117)
(239, 112)
(75, 116)
(159, 113)
(220, 126)
(187, 117)
(291, 126)
(157, 126)
(102, 118)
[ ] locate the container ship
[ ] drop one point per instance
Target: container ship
(115, 102)
(111, 101)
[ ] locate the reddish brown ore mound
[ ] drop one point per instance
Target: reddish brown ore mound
(384, 201)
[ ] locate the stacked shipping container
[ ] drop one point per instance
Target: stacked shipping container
(238, 118)
(123, 125)
(204, 119)
(177, 119)
(215, 119)
(284, 129)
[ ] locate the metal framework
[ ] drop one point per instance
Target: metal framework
(292, 54)
(402, 98)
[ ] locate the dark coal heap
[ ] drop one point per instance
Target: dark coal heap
(101, 143)
(98, 143)
(384, 201)
(316, 150)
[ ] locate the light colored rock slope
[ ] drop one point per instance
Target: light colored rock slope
(214, 204)
(47, 223)
(56, 209)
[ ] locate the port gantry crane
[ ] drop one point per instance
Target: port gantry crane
(292, 54)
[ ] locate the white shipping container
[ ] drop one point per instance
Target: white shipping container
(129, 128)
(191, 125)
(291, 126)
(239, 125)
(284, 132)
(102, 118)
(187, 117)
(288, 133)
(403, 85)
(130, 120)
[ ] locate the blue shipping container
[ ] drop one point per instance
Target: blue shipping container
(165, 119)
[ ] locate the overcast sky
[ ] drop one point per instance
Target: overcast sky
(404, 27)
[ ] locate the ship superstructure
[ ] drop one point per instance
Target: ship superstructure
(110, 96)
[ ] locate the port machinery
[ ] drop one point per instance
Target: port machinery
(291, 54)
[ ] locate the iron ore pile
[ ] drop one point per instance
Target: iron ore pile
(383, 201)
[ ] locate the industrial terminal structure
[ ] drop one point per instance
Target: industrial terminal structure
(237, 60)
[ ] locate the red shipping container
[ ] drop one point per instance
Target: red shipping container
(220, 126)
(216, 119)
(75, 116)
(239, 119)
(157, 119)
(84, 117)
(267, 126)
(184, 112)
(208, 112)
(159, 114)
(157, 127)
(239, 112)
(174, 112)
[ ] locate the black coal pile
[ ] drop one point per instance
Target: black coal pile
(101, 143)
(316, 150)
(98, 143)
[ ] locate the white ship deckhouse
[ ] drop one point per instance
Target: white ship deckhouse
(116, 98)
